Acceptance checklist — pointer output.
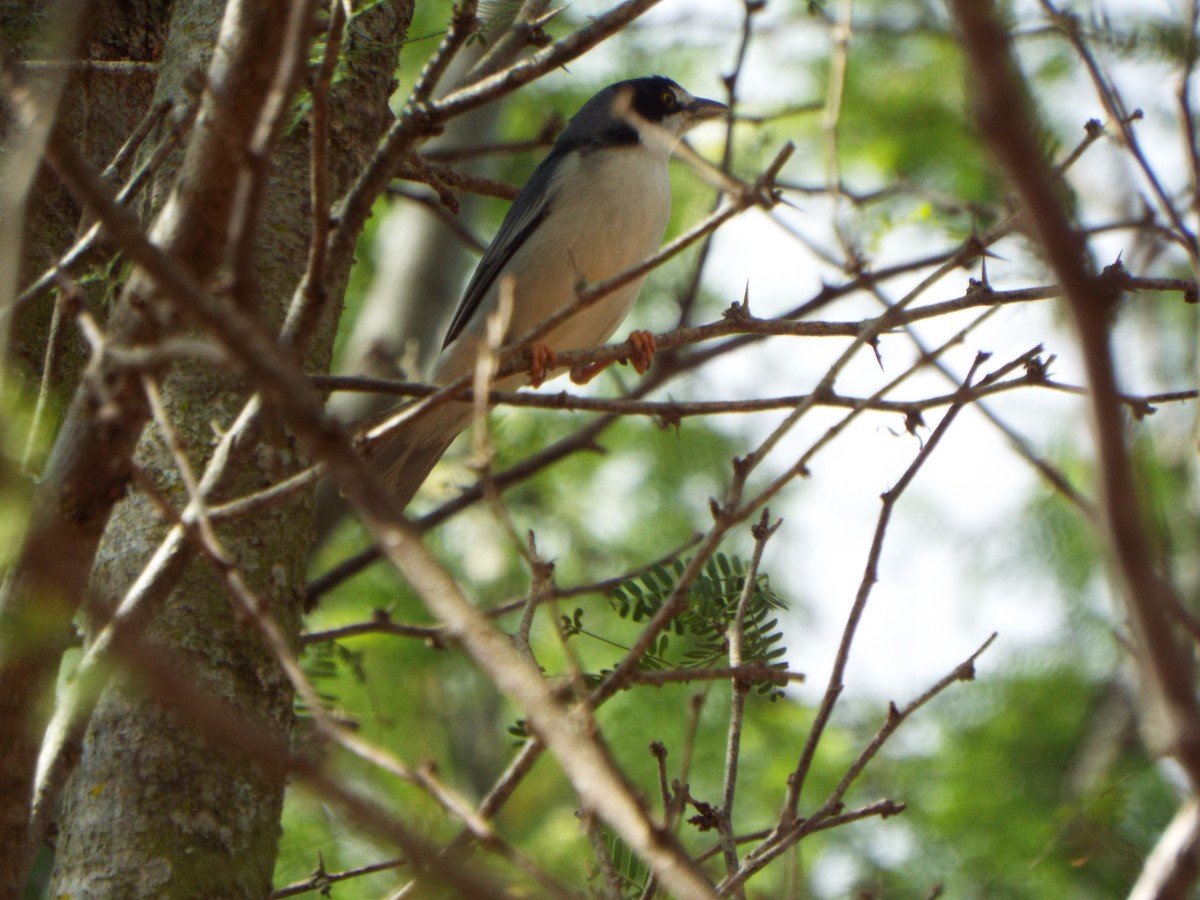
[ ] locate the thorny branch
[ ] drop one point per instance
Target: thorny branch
(737, 696)
(1006, 122)
(1164, 656)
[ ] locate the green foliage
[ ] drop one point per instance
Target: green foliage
(23, 442)
(1139, 36)
(1058, 536)
(708, 611)
(325, 663)
(903, 116)
(633, 872)
(607, 511)
(1018, 809)
(352, 49)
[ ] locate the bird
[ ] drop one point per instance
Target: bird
(596, 206)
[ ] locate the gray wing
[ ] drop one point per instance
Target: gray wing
(528, 212)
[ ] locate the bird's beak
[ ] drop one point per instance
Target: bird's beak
(700, 109)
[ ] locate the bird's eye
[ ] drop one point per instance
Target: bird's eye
(668, 99)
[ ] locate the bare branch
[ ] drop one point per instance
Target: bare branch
(1172, 869)
(1006, 121)
(321, 880)
(737, 699)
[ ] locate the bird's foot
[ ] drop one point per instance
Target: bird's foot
(542, 361)
(643, 347)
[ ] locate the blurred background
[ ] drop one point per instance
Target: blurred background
(1030, 781)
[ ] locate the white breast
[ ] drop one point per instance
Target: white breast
(609, 213)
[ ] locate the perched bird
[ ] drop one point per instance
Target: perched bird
(596, 206)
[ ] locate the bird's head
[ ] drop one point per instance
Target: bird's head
(654, 111)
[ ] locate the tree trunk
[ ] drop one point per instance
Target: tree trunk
(154, 808)
(100, 104)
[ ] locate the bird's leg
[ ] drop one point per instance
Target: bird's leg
(542, 361)
(642, 346)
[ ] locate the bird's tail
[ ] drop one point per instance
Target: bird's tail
(412, 451)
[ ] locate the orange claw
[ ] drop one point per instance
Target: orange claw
(644, 346)
(585, 372)
(542, 361)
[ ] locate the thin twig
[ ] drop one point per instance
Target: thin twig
(870, 576)
(313, 282)
(463, 24)
(737, 698)
(831, 814)
(72, 261)
(320, 880)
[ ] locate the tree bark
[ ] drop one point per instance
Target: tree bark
(101, 107)
(152, 810)
(101, 104)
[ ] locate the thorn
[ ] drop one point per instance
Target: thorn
(976, 287)
(913, 420)
(1115, 271)
(543, 20)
